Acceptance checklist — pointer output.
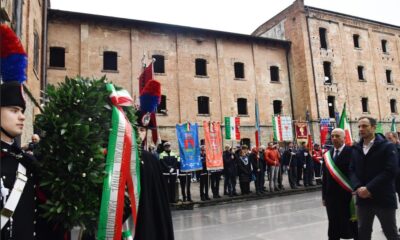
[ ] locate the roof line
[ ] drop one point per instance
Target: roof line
(54, 12)
(352, 16)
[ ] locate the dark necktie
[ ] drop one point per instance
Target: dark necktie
(335, 156)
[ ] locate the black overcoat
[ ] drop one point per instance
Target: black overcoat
(244, 168)
(337, 200)
(154, 221)
(377, 171)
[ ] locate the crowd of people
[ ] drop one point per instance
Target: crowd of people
(359, 180)
(266, 167)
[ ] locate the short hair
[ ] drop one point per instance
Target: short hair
(227, 147)
(371, 120)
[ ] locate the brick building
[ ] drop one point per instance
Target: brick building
(28, 20)
(205, 74)
(337, 58)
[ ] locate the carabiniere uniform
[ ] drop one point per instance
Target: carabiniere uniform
(17, 184)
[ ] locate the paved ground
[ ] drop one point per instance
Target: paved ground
(195, 192)
(299, 217)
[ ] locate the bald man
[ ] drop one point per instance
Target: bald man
(335, 198)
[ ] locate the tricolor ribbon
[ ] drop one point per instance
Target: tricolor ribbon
(342, 180)
(123, 169)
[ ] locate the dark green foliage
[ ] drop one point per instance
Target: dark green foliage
(75, 125)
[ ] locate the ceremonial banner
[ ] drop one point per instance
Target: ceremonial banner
(213, 141)
(282, 126)
(325, 131)
(232, 125)
(145, 76)
(189, 148)
(301, 131)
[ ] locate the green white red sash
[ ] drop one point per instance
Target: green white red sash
(342, 180)
(123, 169)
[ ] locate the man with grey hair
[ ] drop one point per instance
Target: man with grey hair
(373, 171)
(335, 197)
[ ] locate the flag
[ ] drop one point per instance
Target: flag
(213, 143)
(232, 125)
(150, 97)
(189, 149)
(145, 76)
(379, 128)
(309, 137)
(344, 124)
(301, 131)
(258, 132)
(393, 127)
(325, 131)
(277, 127)
(282, 128)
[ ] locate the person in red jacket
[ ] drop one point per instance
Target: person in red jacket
(272, 158)
(317, 157)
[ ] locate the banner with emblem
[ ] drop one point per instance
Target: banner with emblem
(301, 131)
(213, 144)
(326, 128)
(282, 126)
(189, 149)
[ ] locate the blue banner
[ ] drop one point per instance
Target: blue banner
(189, 149)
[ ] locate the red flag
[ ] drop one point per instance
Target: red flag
(309, 142)
(146, 76)
(324, 133)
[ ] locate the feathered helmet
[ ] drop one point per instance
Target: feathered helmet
(13, 68)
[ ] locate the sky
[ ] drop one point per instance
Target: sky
(237, 16)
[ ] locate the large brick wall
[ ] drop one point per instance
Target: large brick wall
(85, 39)
(300, 24)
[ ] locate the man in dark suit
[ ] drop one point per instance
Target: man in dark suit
(373, 171)
(335, 198)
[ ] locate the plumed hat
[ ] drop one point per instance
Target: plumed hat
(150, 96)
(12, 69)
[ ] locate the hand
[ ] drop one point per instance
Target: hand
(171, 170)
(305, 166)
(363, 192)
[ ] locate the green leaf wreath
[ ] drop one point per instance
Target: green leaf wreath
(75, 126)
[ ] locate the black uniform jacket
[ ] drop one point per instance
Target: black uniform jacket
(244, 170)
(337, 200)
(23, 227)
(154, 221)
(377, 171)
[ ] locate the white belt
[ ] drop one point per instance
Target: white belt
(12, 201)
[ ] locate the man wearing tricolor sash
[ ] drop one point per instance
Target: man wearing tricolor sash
(373, 171)
(337, 191)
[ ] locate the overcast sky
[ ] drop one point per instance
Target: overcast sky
(239, 16)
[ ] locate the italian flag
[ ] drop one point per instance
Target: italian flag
(232, 125)
(344, 124)
(277, 126)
